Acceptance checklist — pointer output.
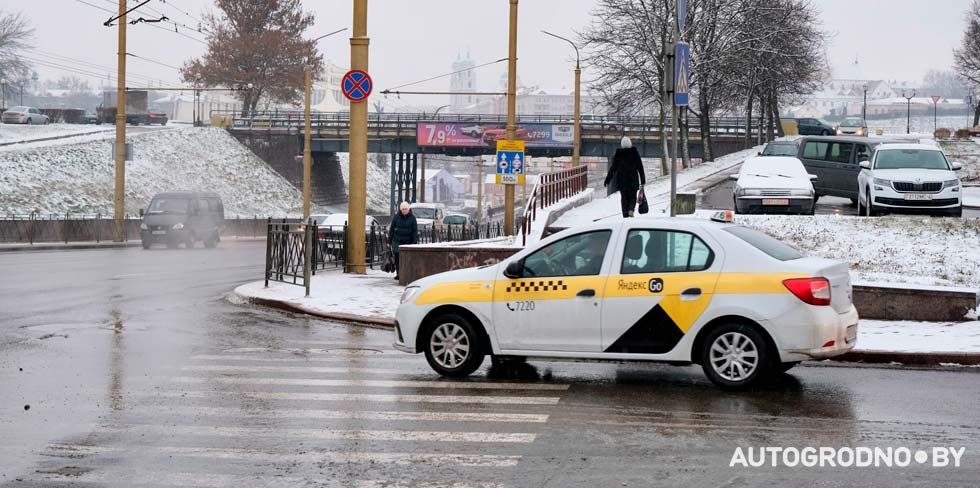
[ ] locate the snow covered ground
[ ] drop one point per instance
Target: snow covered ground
(13, 133)
(892, 249)
(76, 174)
(657, 191)
(376, 295)
(922, 125)
(971, 196)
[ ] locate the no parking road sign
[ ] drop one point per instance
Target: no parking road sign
(356, 85)
(510, 162)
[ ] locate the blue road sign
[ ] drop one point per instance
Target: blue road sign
(510, 162)
(969, 100)
(682, 73)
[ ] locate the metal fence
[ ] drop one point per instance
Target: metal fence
(70, 227)
(549, 189)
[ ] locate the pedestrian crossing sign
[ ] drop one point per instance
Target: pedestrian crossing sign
(682, 73)
(510, 162)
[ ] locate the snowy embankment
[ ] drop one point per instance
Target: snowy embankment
(17, 133)
(378, 182)
(78, 177)
(657, 191)
(894, 249)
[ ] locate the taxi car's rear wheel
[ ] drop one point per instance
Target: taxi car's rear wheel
(734, 356)
(453, 346)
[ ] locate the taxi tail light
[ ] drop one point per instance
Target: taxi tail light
(815, 291)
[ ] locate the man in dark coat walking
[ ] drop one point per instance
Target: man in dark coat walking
(404, 229)
(627, 170)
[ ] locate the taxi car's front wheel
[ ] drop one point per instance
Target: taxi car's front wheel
(453, 346)
(734, 356)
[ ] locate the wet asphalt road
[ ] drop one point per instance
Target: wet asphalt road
(720, 197)
(138, 372)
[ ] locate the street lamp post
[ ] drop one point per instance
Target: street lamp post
(864, 108)
(578, 99)
(908, 114)
(511, 112)
(307, 130)
(3, 88)
(935, 114)
(421, 186)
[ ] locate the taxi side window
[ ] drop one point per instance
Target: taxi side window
(661, 251)
(578, 255)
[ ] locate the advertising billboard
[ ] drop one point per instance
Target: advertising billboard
(482, 134)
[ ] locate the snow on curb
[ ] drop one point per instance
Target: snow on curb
(971, 196)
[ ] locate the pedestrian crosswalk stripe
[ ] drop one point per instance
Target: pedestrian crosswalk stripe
(331, 457)
(314, 359)
(220, 368)
(462, 385)
(363, 397)
(141, 477)
(152, 412)
(323, 434)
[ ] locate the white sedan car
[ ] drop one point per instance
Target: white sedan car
(24, 115)
(777, 184)
(729, 298)
(909, 177)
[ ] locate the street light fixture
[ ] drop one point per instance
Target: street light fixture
(308, 128)
(578, 99)
(908, 115)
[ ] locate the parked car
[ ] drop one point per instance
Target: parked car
(909, 177)
(776, 184)
(853, 126)
(814, 127)
(157, 118)
(459, 221)
(177, 218)
(89, 117)
(429, 214)
(661, 290)
(24, 115)
(781, 148)
(834, 160)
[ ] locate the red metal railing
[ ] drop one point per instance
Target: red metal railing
(549, 189)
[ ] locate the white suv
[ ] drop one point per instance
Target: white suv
(912, 177)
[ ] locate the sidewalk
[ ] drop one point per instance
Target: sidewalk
(372, 299)
(61, 246)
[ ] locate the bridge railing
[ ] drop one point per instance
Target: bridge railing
(601, 125)
(551, 188)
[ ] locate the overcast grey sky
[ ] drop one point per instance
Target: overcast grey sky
(412, 40)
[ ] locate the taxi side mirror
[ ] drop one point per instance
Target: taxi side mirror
(515, 269)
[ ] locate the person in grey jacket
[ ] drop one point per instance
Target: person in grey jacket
(627, 171)
(404, 229)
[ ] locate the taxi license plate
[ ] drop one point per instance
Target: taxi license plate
(159, 232)
(916, 196)
(775, 201)
(852, 333)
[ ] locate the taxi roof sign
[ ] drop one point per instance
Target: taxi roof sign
(724, 216)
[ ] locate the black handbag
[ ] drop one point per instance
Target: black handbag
(641, 198)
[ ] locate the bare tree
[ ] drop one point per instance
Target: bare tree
(15, 37)
(968, 55)
(259, 42)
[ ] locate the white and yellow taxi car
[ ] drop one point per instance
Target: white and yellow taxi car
(734, 300)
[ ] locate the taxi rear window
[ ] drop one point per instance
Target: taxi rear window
(764, 243)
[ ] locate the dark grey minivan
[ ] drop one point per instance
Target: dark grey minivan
(177, 218)
(835, 161)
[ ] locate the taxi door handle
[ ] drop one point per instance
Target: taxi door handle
(588, 292)
(691, 294)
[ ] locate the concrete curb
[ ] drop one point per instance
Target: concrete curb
(52, 246)
(374, 322)
(55, 138)
(866, 357)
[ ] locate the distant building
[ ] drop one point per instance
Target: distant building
(442, 187)
(462, 84)
(326, 95)
(845, 94)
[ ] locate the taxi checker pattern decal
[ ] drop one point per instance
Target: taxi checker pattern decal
(525, 286)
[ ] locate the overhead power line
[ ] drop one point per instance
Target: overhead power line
(447, 74)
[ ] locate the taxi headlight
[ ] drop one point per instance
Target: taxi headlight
(144, 227)
(409, 293)
(178, 226)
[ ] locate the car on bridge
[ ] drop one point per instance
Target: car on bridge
(909, 178)
(732, 299)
